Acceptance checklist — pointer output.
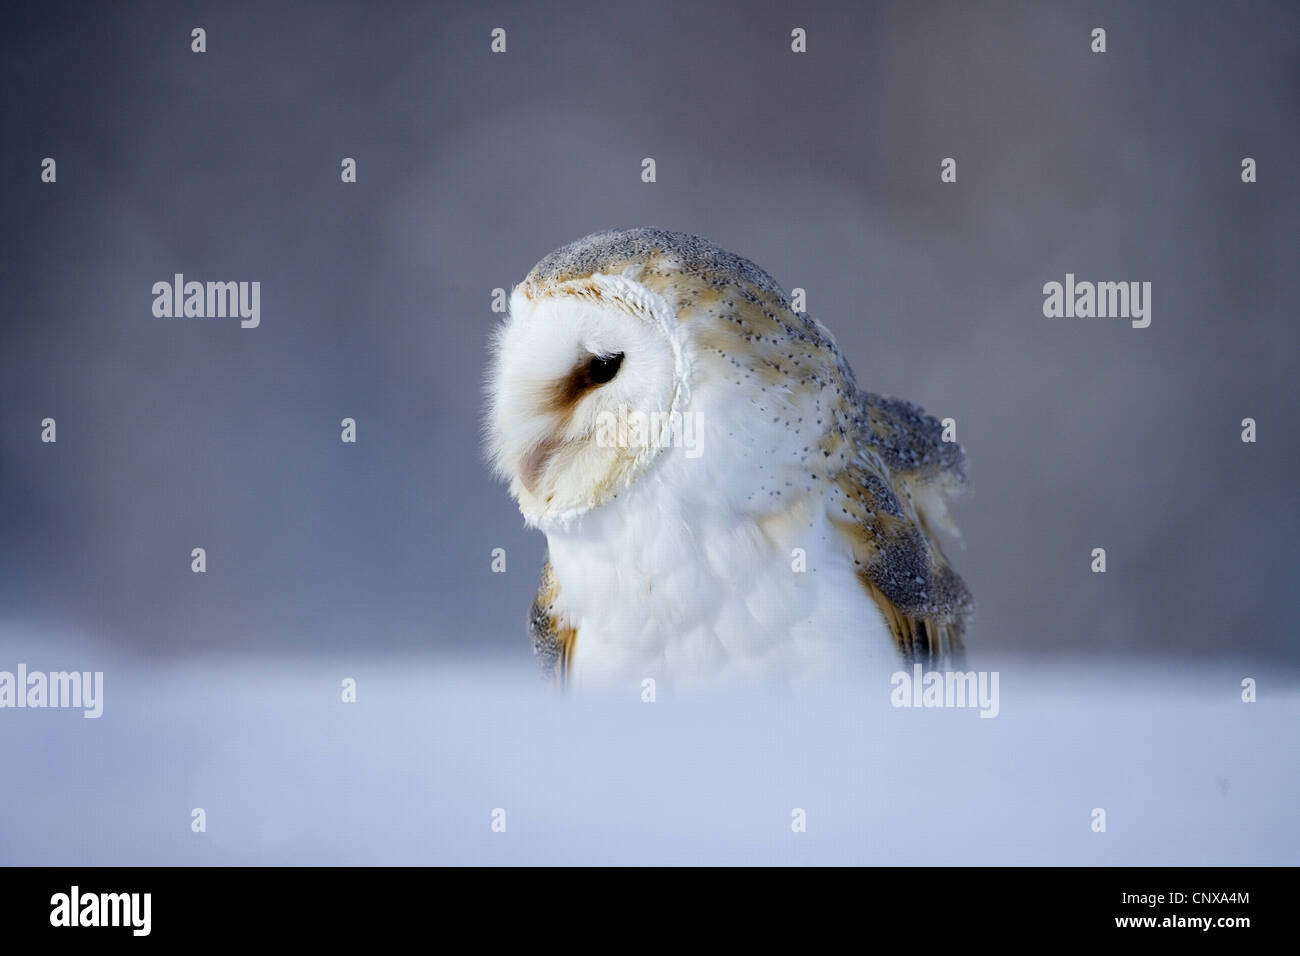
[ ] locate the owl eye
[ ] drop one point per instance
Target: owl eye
(603, 369)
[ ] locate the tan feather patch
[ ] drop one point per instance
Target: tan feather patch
(553, 641)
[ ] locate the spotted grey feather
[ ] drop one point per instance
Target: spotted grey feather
(552, 643)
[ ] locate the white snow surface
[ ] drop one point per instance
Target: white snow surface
(411, 773)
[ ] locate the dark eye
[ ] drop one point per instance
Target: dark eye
(602, 369)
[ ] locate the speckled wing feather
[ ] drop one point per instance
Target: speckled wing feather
(909, 441)
(552, 642)
(891, 498)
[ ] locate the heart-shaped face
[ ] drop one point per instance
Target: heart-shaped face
(569, 367)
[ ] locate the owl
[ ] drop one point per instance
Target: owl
(721, 503)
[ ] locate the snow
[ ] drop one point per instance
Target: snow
(287, 773)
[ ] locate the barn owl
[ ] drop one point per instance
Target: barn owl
(721, 503)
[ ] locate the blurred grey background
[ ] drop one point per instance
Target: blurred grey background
(823, 168)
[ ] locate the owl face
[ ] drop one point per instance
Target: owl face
(571, 359)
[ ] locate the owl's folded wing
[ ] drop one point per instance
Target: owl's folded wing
(888, 502)
(552, 642)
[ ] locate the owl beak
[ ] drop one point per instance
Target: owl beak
(535, 462)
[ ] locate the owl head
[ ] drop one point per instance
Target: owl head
(620, 346)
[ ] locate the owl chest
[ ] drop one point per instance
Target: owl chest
(692, 601)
